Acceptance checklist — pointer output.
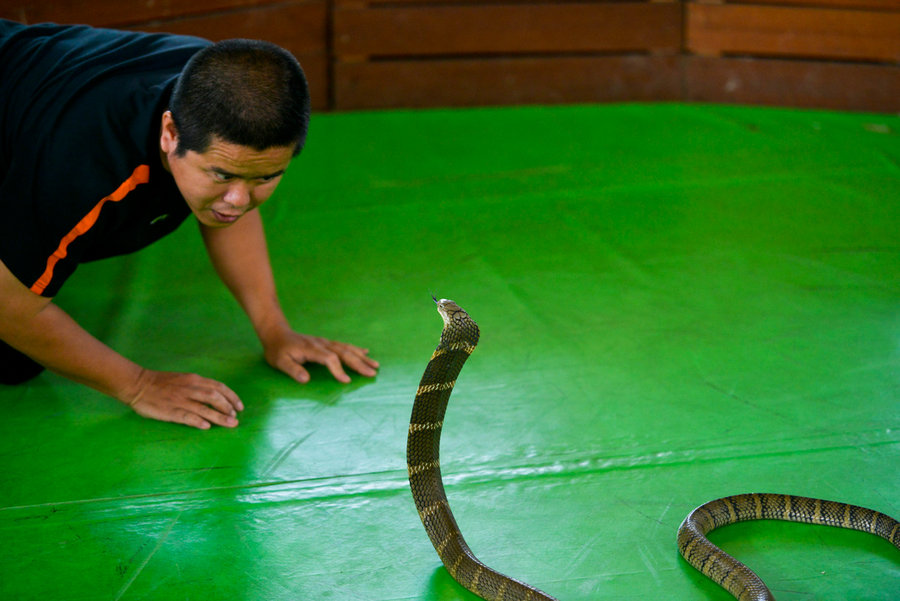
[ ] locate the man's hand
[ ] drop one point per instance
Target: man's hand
(185, 399)
(290, 350)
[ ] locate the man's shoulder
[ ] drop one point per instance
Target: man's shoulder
(75, 43)
(83, 115)
(44, 67)
(91, 113)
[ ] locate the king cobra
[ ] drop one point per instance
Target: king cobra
(458, 339)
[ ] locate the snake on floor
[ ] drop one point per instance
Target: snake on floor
(458, 339)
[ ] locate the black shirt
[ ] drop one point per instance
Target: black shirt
(80, 172)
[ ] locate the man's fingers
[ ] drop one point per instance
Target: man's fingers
(332, 361)
(360, 363)
(183, 416)
(356, 358)
(188, 399)
(213, 416)
(215, 394)
(290, 353)
(296, 371)
(216, 403)
(334, 365)
(189, 413)
(219, 398)
(291, 365)
(232, 398)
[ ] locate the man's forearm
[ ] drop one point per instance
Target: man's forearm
(35, 326)
(55, 340)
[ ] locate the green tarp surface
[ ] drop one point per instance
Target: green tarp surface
(677, 303)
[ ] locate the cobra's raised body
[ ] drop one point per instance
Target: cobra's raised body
(458, 339)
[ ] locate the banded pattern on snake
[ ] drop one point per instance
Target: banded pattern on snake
(458, 340)
(735, 577)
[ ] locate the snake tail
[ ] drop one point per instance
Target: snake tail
(458, 339)
(734, 576)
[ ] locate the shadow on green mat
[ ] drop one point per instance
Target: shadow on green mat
(442, 587)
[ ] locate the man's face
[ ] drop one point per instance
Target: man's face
(227, 180)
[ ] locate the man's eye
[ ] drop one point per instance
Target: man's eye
(220, 177)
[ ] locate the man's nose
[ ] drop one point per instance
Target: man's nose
(238, 194)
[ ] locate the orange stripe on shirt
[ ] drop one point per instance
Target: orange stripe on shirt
(141, 175)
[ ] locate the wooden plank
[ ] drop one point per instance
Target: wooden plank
(479, 82)
(870, 4)
(432, 3)
(118, 13)
(299, 28)
(484, 29)
(792, 31)
(806, 84)
(865, 4)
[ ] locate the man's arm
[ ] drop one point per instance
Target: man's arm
(241, 258)
(35, 326)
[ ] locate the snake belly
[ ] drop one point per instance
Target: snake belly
(458, 339)
(734, 576)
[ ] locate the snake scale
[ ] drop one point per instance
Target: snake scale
(458, 339)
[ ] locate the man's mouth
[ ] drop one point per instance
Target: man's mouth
(225, 217)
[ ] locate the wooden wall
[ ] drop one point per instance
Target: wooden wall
(366, 54)
(841, 54)
(300, 26)
(419, 53)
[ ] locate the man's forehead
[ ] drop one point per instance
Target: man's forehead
(235, 159)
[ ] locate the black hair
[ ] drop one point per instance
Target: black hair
(246, 92)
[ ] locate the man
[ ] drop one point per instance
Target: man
(109, 141)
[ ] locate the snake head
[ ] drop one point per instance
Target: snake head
(458, 326)
(449, 310)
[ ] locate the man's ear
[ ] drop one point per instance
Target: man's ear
(168, 135)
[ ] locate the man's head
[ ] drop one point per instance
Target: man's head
(238, 114)
(245, 92)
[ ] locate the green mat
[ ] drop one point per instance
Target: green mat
(677, 302)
